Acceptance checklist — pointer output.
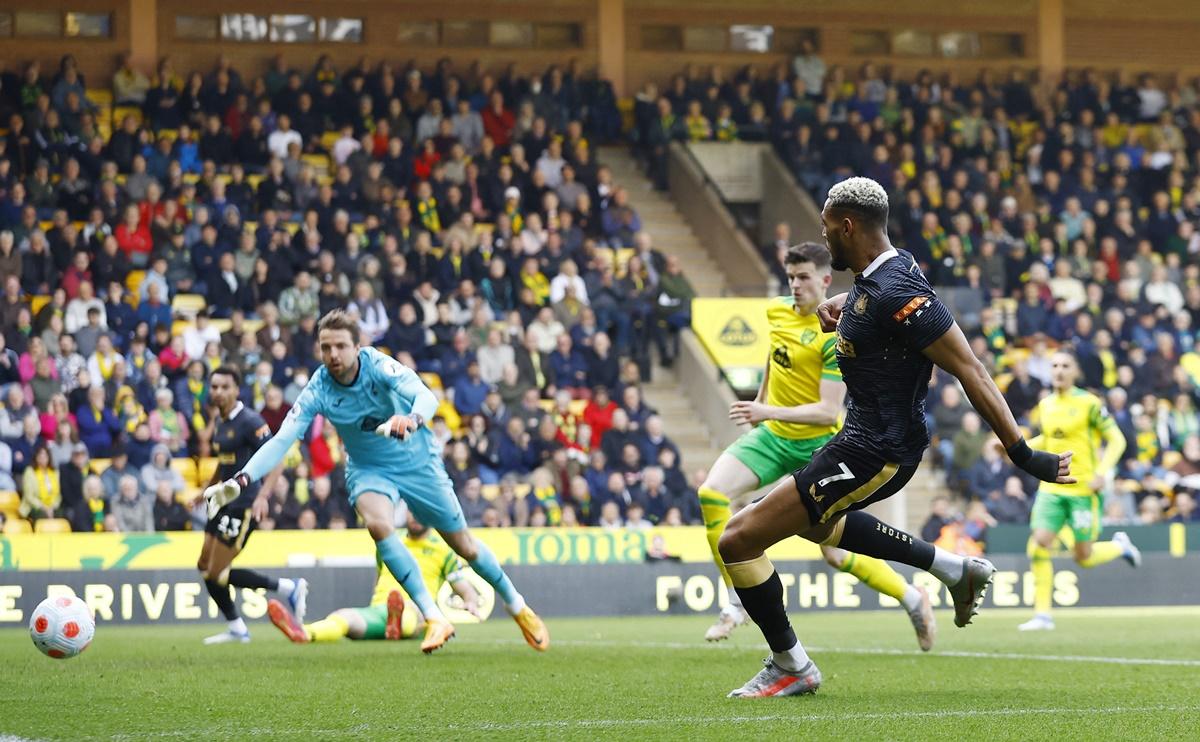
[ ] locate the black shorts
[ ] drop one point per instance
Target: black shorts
(842, 477)
(232, 524)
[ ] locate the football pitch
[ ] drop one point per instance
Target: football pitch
(1104, 674)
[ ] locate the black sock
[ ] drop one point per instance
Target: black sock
(220, 596)
(764, 603)
(251, 579)
(865, 534)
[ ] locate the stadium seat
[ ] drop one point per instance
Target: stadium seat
(168, 134)
(99, 466)
(205, 470)
(490, 491)
(37, 302)
(120, 112)
(52, 525)
(432, 380)
(133, 282)
(188, 304)
(186, 468)
(522, 489)
(221, 325)
(100, 96)
(179, 326)
(10, 502)
(15, 526)
(577, 407)
(1171, 458)
(328, 139)
(252, 325)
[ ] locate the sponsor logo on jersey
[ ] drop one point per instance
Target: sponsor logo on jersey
(845, 347)
(807, 337)
(917, 303)
(860, 306)
(781, 358)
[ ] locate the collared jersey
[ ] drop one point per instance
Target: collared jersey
(801, 356)
(1077, 421)
(891, 314)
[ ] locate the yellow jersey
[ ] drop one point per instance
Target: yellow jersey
(801, 356)
(1077, 421)
(437, 561)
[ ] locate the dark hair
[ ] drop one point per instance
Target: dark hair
(229, 371)
(338, 319)
(808, 252)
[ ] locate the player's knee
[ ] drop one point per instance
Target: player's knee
(733, 542)
(379, 528)
(832, 559)
(1083, 552)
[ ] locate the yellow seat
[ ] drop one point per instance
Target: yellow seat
(433, 381)
(100, 95)
(252, 326)
(546, 404)
(291, 227)
(52, 525)
(622, 259)
(133, 282)
(186, 495)
(188, 304)
(221, 325)
(205, 470)
(179, 326)
(169, 134)
(10, 502)
(1171, 458)
(490, 491)
(14, 526)
(99, 466)
(186, 468)
(254, 180)
(37, 302)
(120, 112)
(577, 407)
(523, 489)
(329, 138)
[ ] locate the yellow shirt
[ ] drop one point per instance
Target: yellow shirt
(1077, 421)
(437, 561)
(801, 355)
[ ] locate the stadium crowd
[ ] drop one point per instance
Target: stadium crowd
(461, 216)
(1059, 215)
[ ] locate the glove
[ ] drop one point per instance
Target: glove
(219, 495)
(399, 426)
(1041, 464)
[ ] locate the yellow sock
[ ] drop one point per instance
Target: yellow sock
(1102, 553)
(1043, 577)
(714, 508)
(411, 621)
(328, 629)
(875, 574)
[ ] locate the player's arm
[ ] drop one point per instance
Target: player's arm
(1114, 445)
(951, 352)
(408, 392)
(270, 454)
(830, 310)
(825, 411)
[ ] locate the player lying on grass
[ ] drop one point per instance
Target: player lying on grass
(386, 617)
(795, 414)
(1073, 419)
(380, 408)
(891, 330)
(238, 433)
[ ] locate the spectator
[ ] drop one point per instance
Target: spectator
(90, 515)
(168, 426)
(159, 469)
(42, 494)
(939, 517)
(131, 512)
(98, 426)
(473, 504)
(169, 515)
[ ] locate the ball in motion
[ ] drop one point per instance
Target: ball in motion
(62, 627)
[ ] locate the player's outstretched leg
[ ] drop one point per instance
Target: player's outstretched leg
(395, 616)
(879, 576)
(485, 564)
(295, 592)
(967, 577)
(290, 626)
(213, 565)
(378, 516)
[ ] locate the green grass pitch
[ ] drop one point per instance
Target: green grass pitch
(1105, 674)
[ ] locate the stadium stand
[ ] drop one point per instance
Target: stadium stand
(474, 234)
(1048, 216)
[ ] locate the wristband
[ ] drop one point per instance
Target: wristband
(242, 479)
(1020, 452)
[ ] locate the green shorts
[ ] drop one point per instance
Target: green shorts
(375, 617)
(771, 457)
(1080, 512)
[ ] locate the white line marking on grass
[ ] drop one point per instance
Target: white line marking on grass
(837, 716)
(880, 651)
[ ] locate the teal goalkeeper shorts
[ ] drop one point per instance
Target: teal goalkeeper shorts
(425, 488)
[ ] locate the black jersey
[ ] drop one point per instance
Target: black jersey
(891, 314)
(235, 440)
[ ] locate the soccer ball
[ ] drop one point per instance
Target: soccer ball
(62, 627)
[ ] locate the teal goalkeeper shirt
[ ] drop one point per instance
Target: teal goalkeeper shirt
(384, 387)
